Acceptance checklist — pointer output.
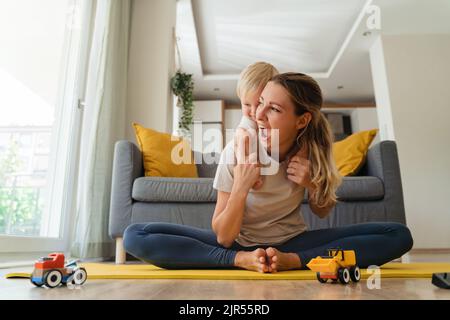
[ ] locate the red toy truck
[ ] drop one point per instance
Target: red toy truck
(51, 272)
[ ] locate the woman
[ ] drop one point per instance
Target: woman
(263, 230)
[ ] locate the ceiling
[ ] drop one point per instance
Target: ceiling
(327, 39)
(289, 38)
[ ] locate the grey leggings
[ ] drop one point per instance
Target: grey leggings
(173, 246)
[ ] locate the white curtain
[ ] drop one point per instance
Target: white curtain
(103, 124)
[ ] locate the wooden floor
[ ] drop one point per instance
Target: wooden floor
(230, 289)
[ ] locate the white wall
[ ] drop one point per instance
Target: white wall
(411, 75)
(208, 138)
(232, 119)
(151, 64)
(365, 119)
(381, 89)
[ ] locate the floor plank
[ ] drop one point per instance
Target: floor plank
(229, 289)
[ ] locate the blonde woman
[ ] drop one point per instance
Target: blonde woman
(263, 230)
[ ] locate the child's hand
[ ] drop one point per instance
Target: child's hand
(298, 169)
(258, 184)
(247, 170)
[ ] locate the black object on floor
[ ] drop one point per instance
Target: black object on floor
(441, 280)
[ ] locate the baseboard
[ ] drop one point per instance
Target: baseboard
(19, 259)
(430, 250)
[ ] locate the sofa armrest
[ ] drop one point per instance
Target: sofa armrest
(382, 162)
(127, 166)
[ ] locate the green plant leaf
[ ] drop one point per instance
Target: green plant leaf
(182, 86)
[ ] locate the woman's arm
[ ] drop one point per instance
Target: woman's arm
(321, 212)
(228, 215)
(230, 207)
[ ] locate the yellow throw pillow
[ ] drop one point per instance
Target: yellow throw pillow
(350, 153)
(156, 148)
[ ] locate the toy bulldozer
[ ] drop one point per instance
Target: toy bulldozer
(338, 265)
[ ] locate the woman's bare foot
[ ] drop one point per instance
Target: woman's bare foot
(252, 260)
(279, 261)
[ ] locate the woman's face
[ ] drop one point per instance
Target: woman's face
(277, 111)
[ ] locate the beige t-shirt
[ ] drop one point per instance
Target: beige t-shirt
(272, 213)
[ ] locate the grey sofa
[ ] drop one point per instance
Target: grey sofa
(375, 194)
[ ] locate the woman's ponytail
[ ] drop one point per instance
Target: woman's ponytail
(324, 174)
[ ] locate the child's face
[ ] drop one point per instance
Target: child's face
(249, 103)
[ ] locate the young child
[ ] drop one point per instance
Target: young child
(251, 83)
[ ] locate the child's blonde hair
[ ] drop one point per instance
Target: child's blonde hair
(254, 77)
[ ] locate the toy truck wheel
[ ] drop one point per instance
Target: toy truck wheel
(321, 280)
(79, 276)
(355, 274)
(35, 283)
(344, 275)
(53, 278)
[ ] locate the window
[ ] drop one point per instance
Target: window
(41, 62)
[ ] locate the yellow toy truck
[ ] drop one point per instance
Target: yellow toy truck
(338, 265)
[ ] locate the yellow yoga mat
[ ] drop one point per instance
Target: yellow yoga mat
(146, 271)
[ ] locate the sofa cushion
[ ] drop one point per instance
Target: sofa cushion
(360, 188)
(165, 155)
(206, 163)
(350, 153)
(168, 189)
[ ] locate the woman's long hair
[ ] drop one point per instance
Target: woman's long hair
(306, 95)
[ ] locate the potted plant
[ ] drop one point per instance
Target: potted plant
(182, 86)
